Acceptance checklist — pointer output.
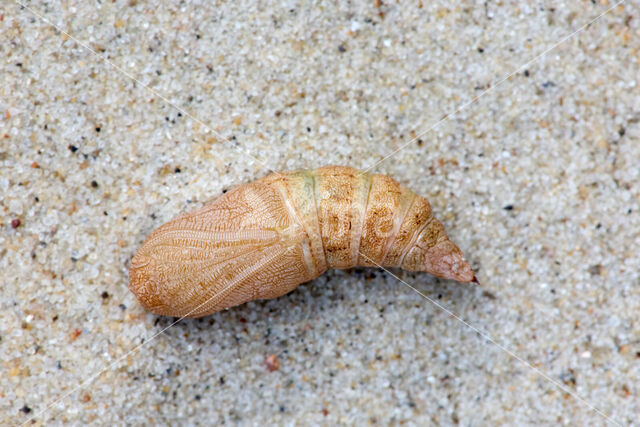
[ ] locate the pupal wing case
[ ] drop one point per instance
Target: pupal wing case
(262, 239)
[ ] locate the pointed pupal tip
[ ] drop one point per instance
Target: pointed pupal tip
(446, 260)
(475, 280)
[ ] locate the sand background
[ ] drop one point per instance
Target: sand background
(132, 112)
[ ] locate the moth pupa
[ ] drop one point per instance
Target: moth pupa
(263, 239)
